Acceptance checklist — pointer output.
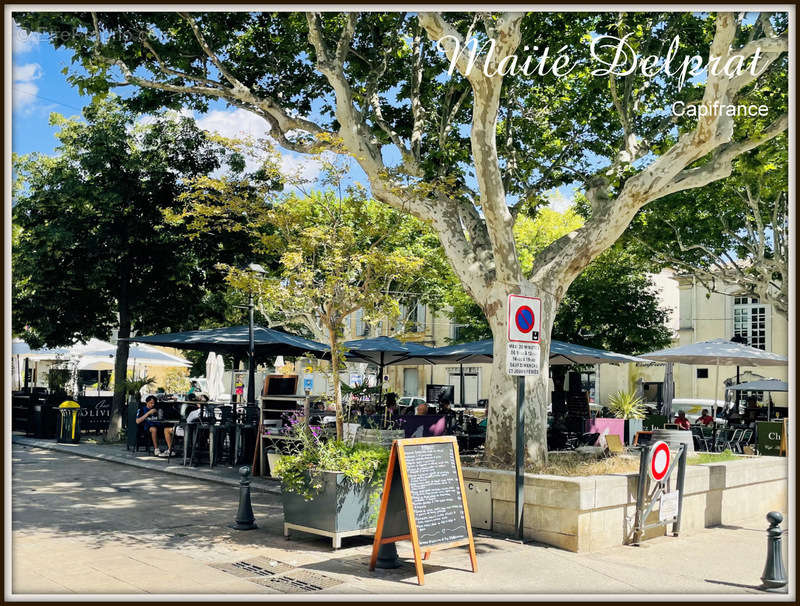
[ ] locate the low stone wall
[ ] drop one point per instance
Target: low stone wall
(592, 513)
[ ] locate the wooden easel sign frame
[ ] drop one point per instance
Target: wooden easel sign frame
(424, 500)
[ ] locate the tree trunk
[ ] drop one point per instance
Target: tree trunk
(500, 450)
(337, 384)
(120, 370)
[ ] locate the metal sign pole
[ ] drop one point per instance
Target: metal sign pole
(676, 527)
(520, 466)
(639, 521)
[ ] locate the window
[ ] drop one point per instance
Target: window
(702, 373)
(750, 321)
(455, 330)
(362, 329)
(412, 318)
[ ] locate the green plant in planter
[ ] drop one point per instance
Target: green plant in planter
(302, 472)
(134, 386)
(626, 405)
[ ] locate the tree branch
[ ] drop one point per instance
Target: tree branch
(563, 260)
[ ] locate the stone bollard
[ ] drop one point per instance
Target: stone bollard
(774, 577)
(245, 520)
(387, 557)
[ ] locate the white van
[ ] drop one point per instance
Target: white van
(693, 407)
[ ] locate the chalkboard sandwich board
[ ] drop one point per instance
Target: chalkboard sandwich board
(424, 500)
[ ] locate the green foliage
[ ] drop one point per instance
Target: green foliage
(133, 387)
(613, 304)
(711, 226)
(549, 118)
(301, 472)
(534, 233)
(712, 457)
(626, 405)
(333, 251)
(92, 241)
(177, 381)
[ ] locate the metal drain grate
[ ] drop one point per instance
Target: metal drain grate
(299, 581)
(257, 567)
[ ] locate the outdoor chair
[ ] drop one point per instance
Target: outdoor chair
(744, 440)
(178, 438)
(245, 433)
(202, 434)
(700, 440)
(721, 439)
(224, 428)
(733, 439)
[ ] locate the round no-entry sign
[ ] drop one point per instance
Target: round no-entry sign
(659, 461)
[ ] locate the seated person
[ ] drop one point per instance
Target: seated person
(369, 418)
(444, 409)
(681, 421)
(422, 409)
(705, 418)
(145, 415)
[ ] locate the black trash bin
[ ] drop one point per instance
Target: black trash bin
(69, 422)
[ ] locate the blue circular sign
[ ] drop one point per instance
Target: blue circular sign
(524, 319)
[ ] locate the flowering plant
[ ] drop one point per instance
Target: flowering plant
(301, 472)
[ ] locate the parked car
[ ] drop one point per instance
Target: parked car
(412, 401)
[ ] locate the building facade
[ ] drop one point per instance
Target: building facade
(695, 314)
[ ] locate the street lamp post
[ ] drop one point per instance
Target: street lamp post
(251, 367)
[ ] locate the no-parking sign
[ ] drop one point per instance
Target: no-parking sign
(522, 349)
(659, 461)
(524, 319)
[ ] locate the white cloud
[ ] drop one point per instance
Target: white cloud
(240, 123)
(24, 91)
(22, 41)
(236, 123)
(300, 167)
(27, 72)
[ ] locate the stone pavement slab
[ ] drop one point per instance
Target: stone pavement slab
(87, 526)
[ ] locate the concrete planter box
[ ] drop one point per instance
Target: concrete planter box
(592, 513)
(340, 509)
(606, 426)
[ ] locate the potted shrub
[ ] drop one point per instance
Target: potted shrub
(630, 407)
(330, 487)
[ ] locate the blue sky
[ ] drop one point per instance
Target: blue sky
(40, 87)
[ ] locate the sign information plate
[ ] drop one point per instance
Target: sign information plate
(524, 319)
(522, 359)
(668, 508)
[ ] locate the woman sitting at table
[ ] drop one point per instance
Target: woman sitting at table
(145, 416)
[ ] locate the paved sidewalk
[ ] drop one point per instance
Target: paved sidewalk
(117, 453)
(86, 526)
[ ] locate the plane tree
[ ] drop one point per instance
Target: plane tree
(466, 151)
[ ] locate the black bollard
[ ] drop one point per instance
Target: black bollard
(245, 520)
(774, 577)
(387, 557)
